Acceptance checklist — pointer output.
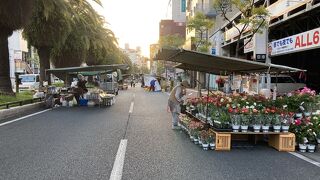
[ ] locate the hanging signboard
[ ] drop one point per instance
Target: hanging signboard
(303, 41)
(249, 45)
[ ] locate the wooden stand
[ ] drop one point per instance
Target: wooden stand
(280, 141)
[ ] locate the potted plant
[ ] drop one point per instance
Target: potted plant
(276, 123)
(257, 121)
(205, 139)
(211, 140)
(266, 123)
(196, 137)
(245, 121)
(286, 120)
(235, 121)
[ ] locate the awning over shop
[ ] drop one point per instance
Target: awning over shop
(97, 68)
(63, 73)
(196, 61)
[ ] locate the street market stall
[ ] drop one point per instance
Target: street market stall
(97, 93)
(218, 119)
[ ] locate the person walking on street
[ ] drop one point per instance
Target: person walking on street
(131, 82)
(175, 100)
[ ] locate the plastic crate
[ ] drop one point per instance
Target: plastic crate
(83, 102)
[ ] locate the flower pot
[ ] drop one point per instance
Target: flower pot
(302, 147)
(192, 138)
(285, 128)
(265, 128)
(212, 146)
(256, 128)
(244, 128)
(196, 141)
(276, 128)
(311, 147)
(205, 146)
(307, 114)
(299, 115)
(235, 128)
(200, 142)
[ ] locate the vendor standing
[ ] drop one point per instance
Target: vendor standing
(81, 88)
(175, 100)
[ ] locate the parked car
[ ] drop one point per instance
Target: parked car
(29, 82)
(285, 84)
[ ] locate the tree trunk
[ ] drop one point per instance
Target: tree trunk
(44, 56)
(5, 82)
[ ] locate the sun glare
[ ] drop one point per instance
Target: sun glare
(135, 22)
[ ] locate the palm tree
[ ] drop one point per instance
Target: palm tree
(14, 14)
(49, 27)
(88, 42)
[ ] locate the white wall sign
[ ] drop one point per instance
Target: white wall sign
(303, 41)
(249, 45)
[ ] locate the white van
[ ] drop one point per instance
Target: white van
(284, 84)
(29, 82)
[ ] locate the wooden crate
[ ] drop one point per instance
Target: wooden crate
(223, 141)
(283, 142)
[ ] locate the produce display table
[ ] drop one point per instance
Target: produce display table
(280, 141)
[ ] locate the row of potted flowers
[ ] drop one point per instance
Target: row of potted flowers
(240, 112)
(198, 133)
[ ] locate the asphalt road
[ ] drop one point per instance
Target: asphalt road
(82, 143)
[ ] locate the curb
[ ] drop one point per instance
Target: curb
(15, 111)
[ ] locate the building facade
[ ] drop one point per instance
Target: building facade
(179, 10)
(290, 38)
(21, 57)
(133, 54)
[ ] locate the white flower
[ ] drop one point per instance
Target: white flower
(221, 100)
(247, 102)
(254, 104)
(285, 106)
(252, 107)
(247, 107)
(238, 105)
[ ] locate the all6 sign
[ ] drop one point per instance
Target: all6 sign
(303, 41)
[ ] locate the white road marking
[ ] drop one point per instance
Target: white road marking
(18, 119)
(116, 173)
(131, 107)
(305, 158)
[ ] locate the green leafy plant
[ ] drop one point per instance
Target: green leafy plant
(245, 120)
(275, 119)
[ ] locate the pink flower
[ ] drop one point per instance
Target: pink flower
(297, 122)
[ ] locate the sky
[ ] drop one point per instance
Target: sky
(135, 21)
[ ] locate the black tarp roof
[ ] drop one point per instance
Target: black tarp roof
(196, 61)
